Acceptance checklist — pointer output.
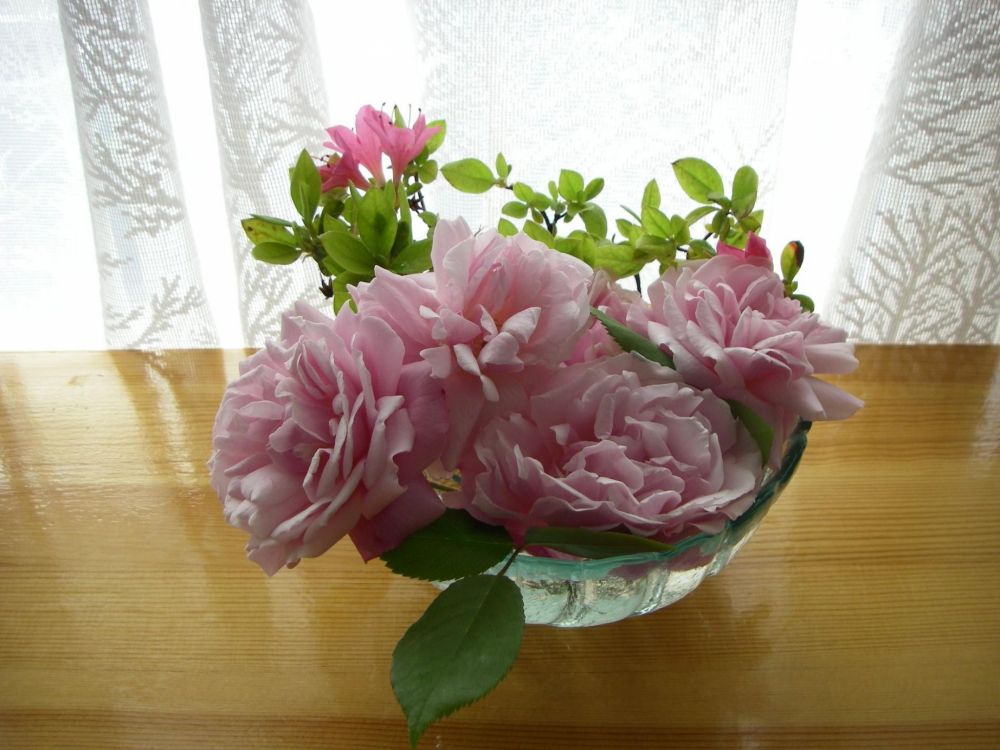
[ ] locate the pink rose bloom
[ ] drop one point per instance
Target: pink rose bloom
(756, 251)
(617, 444)
(317, 439)
(729, 328)
(614, 301)
(493, 308)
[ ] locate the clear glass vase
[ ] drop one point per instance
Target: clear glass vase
(580, 593)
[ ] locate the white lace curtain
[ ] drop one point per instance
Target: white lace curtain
(136, 133)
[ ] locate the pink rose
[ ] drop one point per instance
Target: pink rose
(494, 308)
(729, 328)
(755, 252)
(614, 301)
(619, 443)
(317, 439)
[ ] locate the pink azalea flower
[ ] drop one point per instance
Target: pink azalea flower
(318, 439)
(364, 143)
(755, 252)
(403, 145)
(730, 329)
(615, 444)
(341, 171)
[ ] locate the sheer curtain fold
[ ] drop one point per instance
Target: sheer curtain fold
(875, 127)
(921, 259)
(270, 103)
(151, 288)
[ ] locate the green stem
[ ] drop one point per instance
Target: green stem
(510, 560)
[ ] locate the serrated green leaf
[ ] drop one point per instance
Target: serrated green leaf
(538, 232)
(506, 228)
(593, 189)
(414, 258)
(591, 544)
(697, 178)
(744, 190)
(377, 222)
(595, 220)
(630, 341)
(305, 186)
(348, 251)
(759, 430)
(453, 546)
(260, 230)
(469, 175)
(515, 208)
(570, 185)
(458, 651)
(277, 253)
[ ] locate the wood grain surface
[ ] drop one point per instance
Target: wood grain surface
(865, 613)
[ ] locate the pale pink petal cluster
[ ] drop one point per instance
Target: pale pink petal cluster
(493, 309)
(730, 329)
(374, 136)
(318, 439)
(617, 444)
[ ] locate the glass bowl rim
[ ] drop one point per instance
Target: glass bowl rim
(526, 565)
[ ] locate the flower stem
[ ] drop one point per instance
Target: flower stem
(510, 560)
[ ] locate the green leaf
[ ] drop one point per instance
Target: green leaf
(340, 284)
(305, 186)
(438, 138)
(698, 213)
(570, 185)
(630, 341)
(744, 190)
(428, 172)
(523, 192)
(458, 651)
(454, 546)
(592, 544)
(469, 175)
(260, 230)
(655, 222)
(377, 222)
(595, 220)
(347, 251)
(627, 229)
(414, 258)
(278, 253)
(272, 220)
(506, 228)
(759, 430)
(429, 218)
(650, 196)
(700, 249)
(503, 168)
(792, 256)
(807, 304)
(515, 208)
(538, 232)
(593, 189)
(697, 178)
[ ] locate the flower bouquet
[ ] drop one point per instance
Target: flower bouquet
(482, 399)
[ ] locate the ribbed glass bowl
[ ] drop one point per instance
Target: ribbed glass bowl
(580, 593)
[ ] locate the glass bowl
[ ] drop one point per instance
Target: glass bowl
(581, 593)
